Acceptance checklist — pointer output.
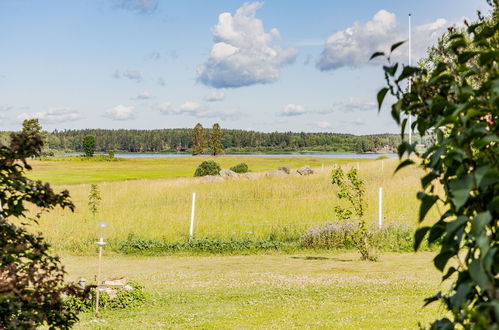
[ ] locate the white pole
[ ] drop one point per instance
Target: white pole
(382, 165)
(380, 205)
(193, 207)
(410, 83)
(97, 291)
(358, 166)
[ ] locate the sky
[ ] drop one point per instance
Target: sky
(275, 65)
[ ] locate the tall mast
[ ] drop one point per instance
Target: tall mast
(410, 82)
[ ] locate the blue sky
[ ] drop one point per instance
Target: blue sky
(266, 66)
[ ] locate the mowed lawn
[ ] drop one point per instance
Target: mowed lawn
(269, 291)
(62, 172)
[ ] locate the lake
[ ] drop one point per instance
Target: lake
(304, 154)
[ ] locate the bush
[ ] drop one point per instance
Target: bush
(110, 154)
(208, 167)
(240, 168)
(330, 236)
(129, 296)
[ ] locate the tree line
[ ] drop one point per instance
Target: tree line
(231, 141)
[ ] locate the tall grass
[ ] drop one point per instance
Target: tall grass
(264, 208)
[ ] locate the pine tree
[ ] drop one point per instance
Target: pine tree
(198, 140)
(216, 140)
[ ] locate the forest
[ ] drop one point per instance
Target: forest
(233, 141)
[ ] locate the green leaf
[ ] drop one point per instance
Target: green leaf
(376, 55)
(442, 258)
(396, 45)
(449, 273)
(427, 179)
(478, 275)
(408, 71)
(493, 205)
(488, 57)
(456, 224)
(465, 56)
(460, 190)
(390, 70)
(427, 201)
(419, 236)
(403, 164)
(480, 221)
(459, 297)
(381, 96)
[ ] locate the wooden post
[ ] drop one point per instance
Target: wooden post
(193, 208)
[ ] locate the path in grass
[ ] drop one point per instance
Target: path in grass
(74, 171)
(278, 291)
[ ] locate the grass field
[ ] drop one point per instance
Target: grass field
(72, 171)
(270, 291)
(235, 208)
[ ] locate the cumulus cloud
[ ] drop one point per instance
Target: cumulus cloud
(323, 124)
(129, 74)
(140, 6)
(197, 110)
(144, 96)
(53, 115)
(354, 46)
(292, 110)
(215, 96)
(350, 105)
(120, 112)
(243, 53)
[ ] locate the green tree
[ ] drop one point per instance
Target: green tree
(216, 140)
(89, 145)
(94, 199)
(198, 140)
(456, 101)
(32, 286)
(352, 189)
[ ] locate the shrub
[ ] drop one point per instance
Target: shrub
(381, 157)
(330, 236)
(129, 296)
(240, 168)
(111, 154)
(208, 167)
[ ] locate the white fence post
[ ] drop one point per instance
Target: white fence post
(358, 166)
(193, 207)
(382, 165)
(380, 207)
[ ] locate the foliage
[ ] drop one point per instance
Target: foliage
(94, 199)
(129, 296)
(198, 140)
(32, 281)
(351, 189)
(456, 100)
(110, 153)
(89, 145)
(208, 167)
(240, 168)
(233, 141)
(216, 140)
(201, 245)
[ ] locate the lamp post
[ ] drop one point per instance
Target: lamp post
(101, 244)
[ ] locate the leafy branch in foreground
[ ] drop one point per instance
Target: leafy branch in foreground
(32, 287)
(456, 101)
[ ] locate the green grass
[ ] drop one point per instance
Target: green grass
(75, 171)
(231, 209)
(271, 291)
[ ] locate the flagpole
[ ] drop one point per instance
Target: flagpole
(410, 83)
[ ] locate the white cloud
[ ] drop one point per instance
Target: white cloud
(350, 105)
(292, 110)
(243, 53)
(120, 112)
(323, 124)
(354, 46)
(129, 74)
(141, 6)
(144, 96)
(6, 107)
(53, 115)
(215, 96)
(197, 110)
